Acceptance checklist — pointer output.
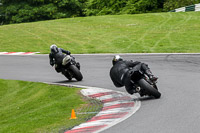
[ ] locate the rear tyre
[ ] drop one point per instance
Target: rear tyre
(149, 89)
(77, 74)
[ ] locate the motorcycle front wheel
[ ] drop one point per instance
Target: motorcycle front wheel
(67, 75)
(76, 72)
(149, 89)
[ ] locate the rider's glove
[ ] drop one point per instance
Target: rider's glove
(52, 63)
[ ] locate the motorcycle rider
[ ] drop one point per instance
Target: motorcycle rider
(120, 73)
(56, 57)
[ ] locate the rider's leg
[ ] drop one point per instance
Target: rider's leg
(130, 89)
(128, 84)
(148, 72)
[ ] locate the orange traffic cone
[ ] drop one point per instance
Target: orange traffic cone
(73, 115)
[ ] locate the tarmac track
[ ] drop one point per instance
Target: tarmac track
(177, 111)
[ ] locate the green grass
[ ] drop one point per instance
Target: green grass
(36, 107)
(140, 33)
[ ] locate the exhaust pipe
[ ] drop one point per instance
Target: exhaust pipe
(138, 89)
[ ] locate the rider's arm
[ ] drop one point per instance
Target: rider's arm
(65, 51)
(132, 64)
(51, 59)
(144, 67)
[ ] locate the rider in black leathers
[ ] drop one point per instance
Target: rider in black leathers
(56, 57)
(120, 73)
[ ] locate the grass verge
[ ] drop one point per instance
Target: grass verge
(139, 33)
(37, 107)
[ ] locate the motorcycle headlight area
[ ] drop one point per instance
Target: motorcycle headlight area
(66, 60)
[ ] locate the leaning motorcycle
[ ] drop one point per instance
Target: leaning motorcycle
(142, 83)
(71, 68)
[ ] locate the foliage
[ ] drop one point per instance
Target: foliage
(17, 11)
(141, 6)
(103, 7)
(173, 4)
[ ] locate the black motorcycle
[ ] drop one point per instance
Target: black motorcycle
(142, 83)
(71, 68)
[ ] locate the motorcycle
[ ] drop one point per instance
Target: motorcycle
(142, 83)
(71, 68)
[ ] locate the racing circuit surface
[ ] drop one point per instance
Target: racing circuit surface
(177, 111)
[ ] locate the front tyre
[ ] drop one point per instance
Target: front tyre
(67, 75)
(149, 89)
(76, 72)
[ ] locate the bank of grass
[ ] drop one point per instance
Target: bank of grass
(140, 33)
(27, 107)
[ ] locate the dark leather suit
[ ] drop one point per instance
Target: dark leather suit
(120, 74)
(57, 58)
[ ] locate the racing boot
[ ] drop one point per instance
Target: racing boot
(142, 93)
(151, 76)
(78, 65)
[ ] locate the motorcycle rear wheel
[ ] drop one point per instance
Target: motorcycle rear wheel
(149, 89)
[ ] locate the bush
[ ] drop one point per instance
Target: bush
(141, 6)
(17, 11)
(103, 7)
(174, 4)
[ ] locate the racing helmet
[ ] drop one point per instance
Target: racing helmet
(54, 48)
(116, 59)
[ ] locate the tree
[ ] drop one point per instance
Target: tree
(17, 11)
(103, 7)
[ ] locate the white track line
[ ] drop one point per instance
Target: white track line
(18, 53)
